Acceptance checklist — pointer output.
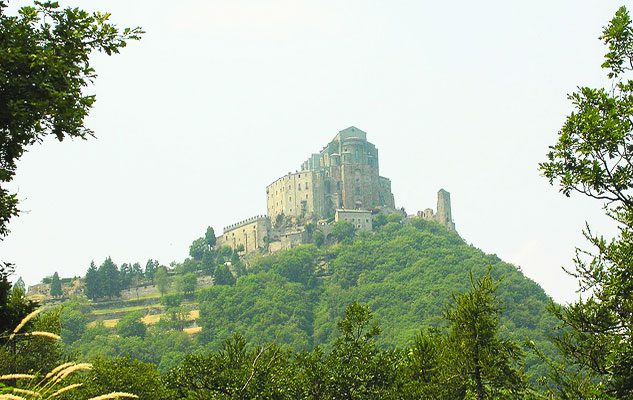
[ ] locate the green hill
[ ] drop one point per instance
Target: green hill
(406, 272)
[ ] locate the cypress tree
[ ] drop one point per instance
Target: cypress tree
(56, 286)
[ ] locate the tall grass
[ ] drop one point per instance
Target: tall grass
(52, 385)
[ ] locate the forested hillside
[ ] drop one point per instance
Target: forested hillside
(406, 271)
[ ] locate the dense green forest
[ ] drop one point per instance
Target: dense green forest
(406, 271)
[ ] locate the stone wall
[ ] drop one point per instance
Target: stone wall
(298, 195)
(250, 234)
(287, 239)
(361, 219)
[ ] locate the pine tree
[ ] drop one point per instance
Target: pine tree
(19, 284)
(56, 286)
(92, 282)
(110, 278)
(150, 269)
(593, 156)
(486, 363)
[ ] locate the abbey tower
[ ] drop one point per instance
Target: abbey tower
(343, 175)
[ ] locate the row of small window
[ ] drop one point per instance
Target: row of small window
(290, 199)
(306, 187)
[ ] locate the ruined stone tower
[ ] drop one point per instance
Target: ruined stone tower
(443, 215)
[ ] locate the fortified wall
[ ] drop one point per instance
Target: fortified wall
(341, 182)
(250, 234)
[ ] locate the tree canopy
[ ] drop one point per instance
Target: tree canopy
(594, 156)
(45, 71)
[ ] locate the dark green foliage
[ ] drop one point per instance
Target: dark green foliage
(30, 354)
(343, 231)
(264, 307)
(109, 279)
(594, 156)
(56, 286)
(224, 253)
(486, 363)
(188, 266)
(150, 269)
(405, 272)
(44, 70)
(73, 318)
(125, 275)
(210, 238)
(171, 300)
(122, 375)
(379, 220)
(131, 325)
(223, 276)
(186, 284)
(198, 248)
(234, 372)
(318, 238)
(296, 266)
(164, 348)
(13, 303)
(92, 282)
(356, 368)
(19, 285)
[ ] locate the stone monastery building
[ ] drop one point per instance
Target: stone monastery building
(341, 182)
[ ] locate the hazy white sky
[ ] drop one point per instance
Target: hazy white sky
(220, 98)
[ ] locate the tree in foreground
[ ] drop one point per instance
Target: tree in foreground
(44, 72)
(357, 369)
(234, 372)
(486, 364)
(594, 157)
(45, 69)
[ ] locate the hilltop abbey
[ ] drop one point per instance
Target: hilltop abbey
(340, 183)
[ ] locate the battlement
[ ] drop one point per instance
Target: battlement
(244, 222)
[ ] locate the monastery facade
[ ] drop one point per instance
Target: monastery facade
(341, 182)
